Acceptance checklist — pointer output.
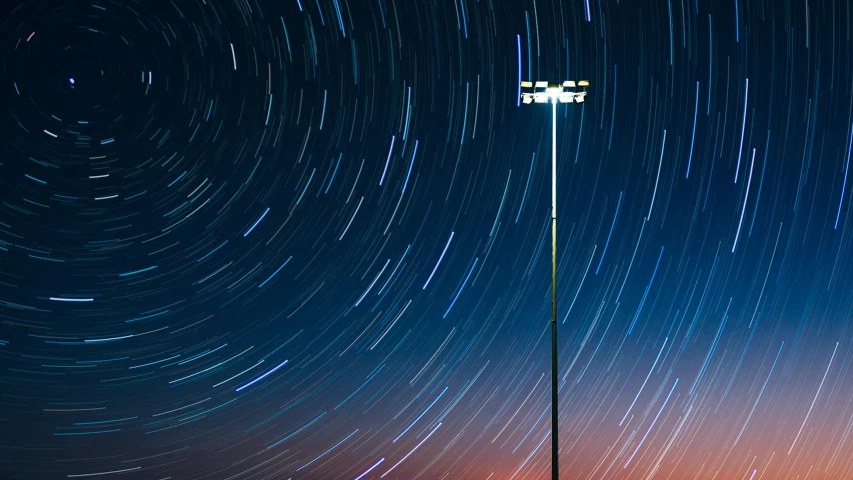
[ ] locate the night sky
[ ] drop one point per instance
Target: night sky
(310, 239)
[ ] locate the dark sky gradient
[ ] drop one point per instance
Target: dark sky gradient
(270, 239)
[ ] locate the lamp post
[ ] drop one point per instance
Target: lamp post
(542, 93)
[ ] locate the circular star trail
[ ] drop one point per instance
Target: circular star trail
(309, 239)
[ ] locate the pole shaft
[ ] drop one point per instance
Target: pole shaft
(554, 160)
(555, 438)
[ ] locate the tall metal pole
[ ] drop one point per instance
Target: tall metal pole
(555, 437)
(554, 92)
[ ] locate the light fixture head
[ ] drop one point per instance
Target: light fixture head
(545, 92)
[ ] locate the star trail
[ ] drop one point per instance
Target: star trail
(309, 239)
